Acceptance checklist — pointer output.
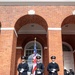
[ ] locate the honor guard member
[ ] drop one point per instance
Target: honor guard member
(40, 66)
(23, 66)
(53, 67)
(66, 72)
(71, 72)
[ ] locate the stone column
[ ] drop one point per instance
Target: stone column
(55, 46)
(7, 51)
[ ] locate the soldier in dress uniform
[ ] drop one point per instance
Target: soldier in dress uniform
(71, 71)
(66, 72)
(40, 66)
(53, 67)
(23, 66)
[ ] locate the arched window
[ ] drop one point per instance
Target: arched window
(28, 51)
(66, 47)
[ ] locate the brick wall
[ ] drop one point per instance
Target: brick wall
(6, 52)
(55, 48)
(9, 15)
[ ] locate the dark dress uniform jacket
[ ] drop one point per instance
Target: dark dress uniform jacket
(52, 66)
(66, 72)
(24, 66)
(40, 67)
(71, 73)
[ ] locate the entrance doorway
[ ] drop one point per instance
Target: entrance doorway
(68, 36)
(68, 56)
(28, 51)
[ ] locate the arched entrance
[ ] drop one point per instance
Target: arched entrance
(28, 27)
(28, 51)
(68, 35)
(68, 56)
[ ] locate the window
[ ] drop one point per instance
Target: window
(66, 48)
(28, 51)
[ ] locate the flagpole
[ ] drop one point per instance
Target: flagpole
(34, 58)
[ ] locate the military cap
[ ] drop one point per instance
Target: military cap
(53, 57)
(38, 57)
(23, 57)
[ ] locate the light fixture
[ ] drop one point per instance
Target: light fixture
(32, 25)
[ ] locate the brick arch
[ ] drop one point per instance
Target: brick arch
(26, 19)
(68, 20)
(40, 39)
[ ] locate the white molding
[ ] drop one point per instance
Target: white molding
(54, 28)
(18, 47)
(31, 12)
(15, 32)
(45, 47)
(7, 29)
(10, 29)
(73, 12)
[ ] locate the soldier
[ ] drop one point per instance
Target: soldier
(40, 66)
(53, 67)
(71, 71)
(23, 66)
(66, 72)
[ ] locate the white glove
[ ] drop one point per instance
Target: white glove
(21, 70)
(38, 72)
(54, 69)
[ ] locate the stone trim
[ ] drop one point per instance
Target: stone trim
(10, 29)
(18, 47)
(54, 28)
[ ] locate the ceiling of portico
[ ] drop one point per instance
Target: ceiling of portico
(38, 29)
(32, 29)
(68, 29)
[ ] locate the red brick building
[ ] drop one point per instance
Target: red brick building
(52, 25)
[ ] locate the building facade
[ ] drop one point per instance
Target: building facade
(54, 29)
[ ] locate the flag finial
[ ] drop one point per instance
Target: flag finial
(35, 38)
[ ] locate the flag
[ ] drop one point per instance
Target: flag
(34, 58)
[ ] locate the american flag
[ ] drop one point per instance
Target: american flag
(34, 58)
